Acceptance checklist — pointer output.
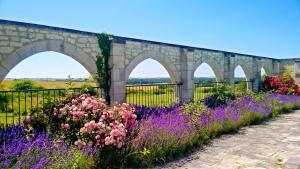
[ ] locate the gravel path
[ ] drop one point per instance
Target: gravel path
(273, 145)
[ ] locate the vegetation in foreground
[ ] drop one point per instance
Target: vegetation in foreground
(86, 133)
(86, 129)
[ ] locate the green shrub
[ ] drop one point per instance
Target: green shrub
(25, 84)
(88, 89)
(160, 91)
(220, 95)
(3, 102)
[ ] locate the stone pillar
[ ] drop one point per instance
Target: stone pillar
(275, 67)
(229, 69)
(297, 71)
(187, 76)
(117, 87)
(256, 76)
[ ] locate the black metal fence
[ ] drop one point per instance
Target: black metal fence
(202, 90)
(15, 104)
(153, 94)
(167, 94)
(240, 87)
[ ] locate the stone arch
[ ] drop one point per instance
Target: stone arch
(246, 70)
(247, 76)
(262, 68)
(157, 56)
(266, 68)
(217, 71)
(242, 70)
(59, 46)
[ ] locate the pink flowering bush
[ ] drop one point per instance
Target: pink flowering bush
(89, 121)
(86, 121)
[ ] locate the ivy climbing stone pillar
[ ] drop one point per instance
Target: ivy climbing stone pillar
(117, 87)
(187, 78)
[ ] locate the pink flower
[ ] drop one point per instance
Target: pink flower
(67, 126)
(80, 144)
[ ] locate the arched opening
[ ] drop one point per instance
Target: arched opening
(241, 83)
(11, 60)
(149, 71)
(204, 81)
(263, 74)
(39, 80)
(150, 84)
(49, 70)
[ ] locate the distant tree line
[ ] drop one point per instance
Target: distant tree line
(168, 80)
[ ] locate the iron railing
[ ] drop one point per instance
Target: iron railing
(202, 90)
(15, 104)
(153, 94)
(241, 87)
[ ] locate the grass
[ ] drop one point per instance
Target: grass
(11, 119)
(9, 84)
(15, 103)
(151, 99)
(160, 97)
(202, 92)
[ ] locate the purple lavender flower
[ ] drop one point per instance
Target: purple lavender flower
(164, 129)
(31, 151)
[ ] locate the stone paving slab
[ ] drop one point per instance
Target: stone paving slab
(273, 145)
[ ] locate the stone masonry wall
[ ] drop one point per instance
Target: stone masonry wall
(19, 41)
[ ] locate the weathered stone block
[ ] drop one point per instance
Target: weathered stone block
(15, 39)
(54, 36)
(71, 40)
(15, 44)
(10, 27)
(24, 34)
(3, 73)
(82, 40)
(87, 50)
(23, 29)
(81, 45)
(6, 50)
(4, 43)
(25, 40)
(11, 33)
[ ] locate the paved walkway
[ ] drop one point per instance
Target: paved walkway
(273, 145)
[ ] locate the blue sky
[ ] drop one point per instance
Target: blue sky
(267, 28)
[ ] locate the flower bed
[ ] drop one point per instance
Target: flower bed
(282, 83)
(172, 134)
(23, 149)
(87, 133)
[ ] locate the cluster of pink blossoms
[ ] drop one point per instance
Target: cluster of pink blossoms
(101, 125)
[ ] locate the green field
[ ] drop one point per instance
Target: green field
(9, 84)
(16, 104)
(11, 119)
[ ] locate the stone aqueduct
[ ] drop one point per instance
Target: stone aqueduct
(19, 41)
